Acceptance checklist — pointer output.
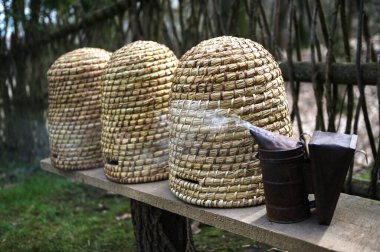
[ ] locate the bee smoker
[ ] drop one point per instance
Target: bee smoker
(293, 169)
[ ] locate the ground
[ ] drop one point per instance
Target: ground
(43, 212)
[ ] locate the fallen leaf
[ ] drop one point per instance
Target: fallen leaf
(125, 216)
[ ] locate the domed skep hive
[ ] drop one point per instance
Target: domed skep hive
(219, 86)
(74, 109)
(135, 101)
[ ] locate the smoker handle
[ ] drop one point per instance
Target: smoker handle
(305, 141)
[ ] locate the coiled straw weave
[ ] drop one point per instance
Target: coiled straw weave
(219, 86)
(74, 109)
(135, 101)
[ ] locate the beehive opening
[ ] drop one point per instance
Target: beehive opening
(112, 161)
(188, 180)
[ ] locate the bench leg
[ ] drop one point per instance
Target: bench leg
(160, 230)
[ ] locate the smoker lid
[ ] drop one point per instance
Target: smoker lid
(333, 139)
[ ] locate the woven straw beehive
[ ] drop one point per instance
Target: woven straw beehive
(218, 85)
(74, 109)
(135, 101)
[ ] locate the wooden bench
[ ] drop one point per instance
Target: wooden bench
(355, 225)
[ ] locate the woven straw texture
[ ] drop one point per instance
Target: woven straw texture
(135, 102)
(74, 109)
(219, 86)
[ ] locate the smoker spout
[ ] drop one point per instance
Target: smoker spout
(272, 141)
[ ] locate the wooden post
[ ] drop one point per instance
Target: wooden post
(160, 230)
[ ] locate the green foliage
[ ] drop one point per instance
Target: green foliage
(364, 174)
(15, 168)
(213, 239)
(42, 212)
(47, 213)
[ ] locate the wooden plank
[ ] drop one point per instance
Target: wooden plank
(355, 226)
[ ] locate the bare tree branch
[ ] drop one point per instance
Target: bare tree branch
(93, 18)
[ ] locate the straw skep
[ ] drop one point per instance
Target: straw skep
(74, 124)
(219, 86)
(135, 101)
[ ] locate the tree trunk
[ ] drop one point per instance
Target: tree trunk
(159, 230)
